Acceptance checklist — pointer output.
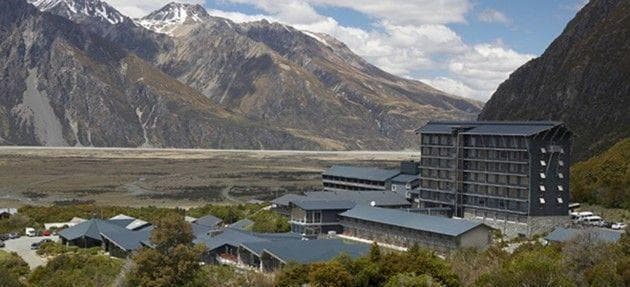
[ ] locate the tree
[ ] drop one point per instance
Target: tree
(173, 260)
(375, 252)
(411, 280)
(331, 274)
(293, 274)
(534, 266)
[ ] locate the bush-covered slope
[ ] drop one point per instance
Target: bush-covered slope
(605, 178)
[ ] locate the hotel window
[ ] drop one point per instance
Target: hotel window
(542, 188)
(543, 150)
(542, 200)
(560, 188)
(561, 163)
(560, 175)
(543, 163)
(560, 200)
(542, 175)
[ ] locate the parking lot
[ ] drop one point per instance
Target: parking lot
(22, 246)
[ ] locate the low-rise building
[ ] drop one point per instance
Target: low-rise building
(273, 255)
(341, 178)
(561, 235)
(402, 228)
(316, 213)
(8, 212)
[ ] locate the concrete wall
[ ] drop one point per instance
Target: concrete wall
(479, 237)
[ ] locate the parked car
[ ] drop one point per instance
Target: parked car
(619, 226)
(46, 233)
(593, 220)
(30, 232)
(579, 216)
(4, 237)
(2, 244)
(36, 245)
(14, 235)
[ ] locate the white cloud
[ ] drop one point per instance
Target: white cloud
(399, 12)
(136, 8)
(493, 16)
(453, 87)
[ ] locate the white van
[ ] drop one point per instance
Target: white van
(30, 232)
(593, 220)
(579, 216)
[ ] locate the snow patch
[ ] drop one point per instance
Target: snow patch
(74, 125)
(144, 124)
(318, 38)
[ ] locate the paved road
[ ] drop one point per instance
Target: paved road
(22, 246)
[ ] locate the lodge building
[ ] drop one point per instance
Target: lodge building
(511, 175)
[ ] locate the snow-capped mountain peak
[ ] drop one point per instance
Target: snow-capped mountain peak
(169, 17)
(73, 9)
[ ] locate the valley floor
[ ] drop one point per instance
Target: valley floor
(167, 177)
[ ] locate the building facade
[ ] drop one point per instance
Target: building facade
(512, 175)
(404, 229)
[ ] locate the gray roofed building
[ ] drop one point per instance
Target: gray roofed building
(209, 220)
(88, 233)
(561, 234)
(7, 212)
(401, 218)
(380, 198)
(402, 228)
(313, 204)
(367, 173)
(405, 178)
(201, 230)
(489, 128)
(120, 243)
(241, 224)
(274, 255)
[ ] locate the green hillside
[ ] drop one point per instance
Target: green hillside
(604, 179)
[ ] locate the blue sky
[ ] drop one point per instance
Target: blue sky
(464, 47)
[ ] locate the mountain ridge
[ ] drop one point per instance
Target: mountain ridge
(308, 85)
(581, 79)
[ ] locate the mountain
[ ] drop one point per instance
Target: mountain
(63, 86)
(171, 16)
(309, 85)
(605, 178)
(583, 79)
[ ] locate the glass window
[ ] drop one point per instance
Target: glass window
(543, 163)
(542, 200)
(560, 200)
(542, 175)
(543, 150)
(561, 163)
(560, 175)
(542, 188)
(560, 188)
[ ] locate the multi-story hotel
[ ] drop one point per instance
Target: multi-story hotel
(511, 175)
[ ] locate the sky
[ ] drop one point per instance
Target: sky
(463, 47)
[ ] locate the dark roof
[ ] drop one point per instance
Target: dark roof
(405, 178)
(367, 173)
(287, 198)
(566, 234)
(199, 230)
(309, 251)
(490, 128)
(235, 237)
(380, 198)
(324, 204)
(208, 220)
(128, 240)
(92, 229)
(241, 224)
(396, 217)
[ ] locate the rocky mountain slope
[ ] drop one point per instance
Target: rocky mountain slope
(583, 79)
(310, 86)
(63, 86)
